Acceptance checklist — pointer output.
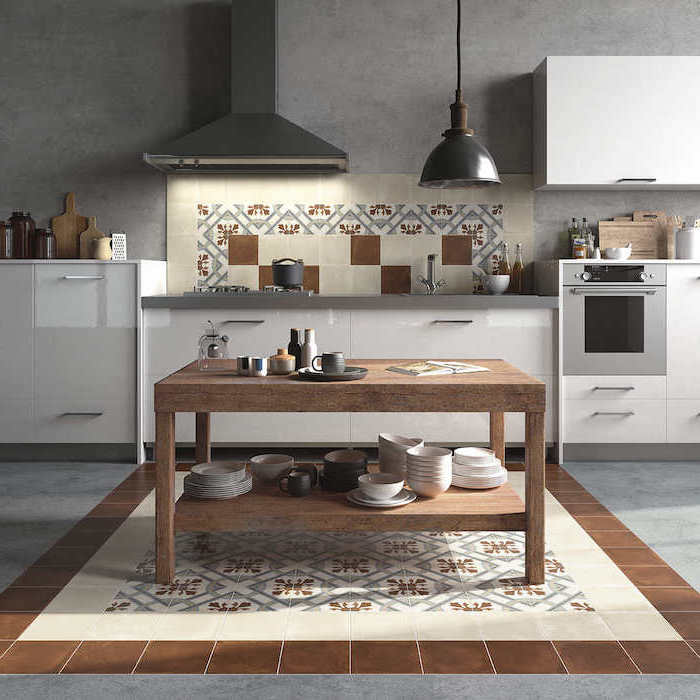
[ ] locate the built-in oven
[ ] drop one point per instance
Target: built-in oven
(614, 318)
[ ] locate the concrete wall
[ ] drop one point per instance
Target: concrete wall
(88, 85)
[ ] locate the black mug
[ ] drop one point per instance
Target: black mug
(296, 483)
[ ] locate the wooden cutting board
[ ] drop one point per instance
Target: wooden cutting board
(67, 229)
(666, 227)
(646, 239)
(87, 237)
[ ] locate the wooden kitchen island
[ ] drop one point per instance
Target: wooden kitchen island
(502, 389)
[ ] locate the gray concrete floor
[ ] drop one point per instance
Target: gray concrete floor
(39, 502)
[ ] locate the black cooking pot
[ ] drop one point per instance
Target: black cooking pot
(287, 272)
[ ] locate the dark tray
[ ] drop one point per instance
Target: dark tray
(350, 374)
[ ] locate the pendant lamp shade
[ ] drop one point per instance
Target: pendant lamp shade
(459, 160)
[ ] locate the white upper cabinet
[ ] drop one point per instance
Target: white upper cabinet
(623, 122)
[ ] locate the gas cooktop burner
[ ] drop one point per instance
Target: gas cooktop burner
(241, 290)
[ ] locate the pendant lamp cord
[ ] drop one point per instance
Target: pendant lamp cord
(459, 45)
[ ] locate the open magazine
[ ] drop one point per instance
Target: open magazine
(431, 367)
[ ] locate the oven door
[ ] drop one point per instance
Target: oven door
(614, 330)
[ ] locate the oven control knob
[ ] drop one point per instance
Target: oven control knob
(586, 276)
(651, 275)
(643, 276)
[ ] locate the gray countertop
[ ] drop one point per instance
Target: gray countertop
(342, 301)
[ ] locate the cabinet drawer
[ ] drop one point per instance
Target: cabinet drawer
(85, 296)
(523, 337)
(615, 421)
(609, 388)
(16, 420)
(85, 421)
(683, 420)
(172, 336)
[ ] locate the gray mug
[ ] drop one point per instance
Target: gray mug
(331, 363)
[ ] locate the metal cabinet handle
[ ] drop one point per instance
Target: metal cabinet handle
(83, 277)
(636, 179)
(93, 414)
(447, 321)
(613, 388)
(613, 413)
(256, 321)
(612, 290)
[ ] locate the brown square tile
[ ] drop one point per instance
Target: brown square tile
(364, 250)
(574, 497)
(586, 509)
(619, 538)
(396, 279)
(634, 556)
(4, 646)
(36, 657)
(687, 624)
(84, 538)
(672, 599)
(99, 524)
(663, 657)
(525, 657)
(315, 657)
(112, 510)
(27, 599)
(12, 624)
(175, 657)
(653, 576)
(245, 657)
(591, 523)
(385, 657)
(455, 657)
(456, 250)
(243, 250)
(311, 276)
(594, 657)
(66, 556)
(46, 576)
(264, 276)
(105, 657)
(695, 645)
(125, 496)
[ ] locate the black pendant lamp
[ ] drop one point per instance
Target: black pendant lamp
(459, 160)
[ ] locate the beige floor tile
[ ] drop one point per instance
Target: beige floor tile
(318, 625)
(254, 626)
(448, 626)
(618, 598)
(189, 626)
(574, 625)
(61, 626)
(78, 599)
(383, 626)
(127, 626)
(510, 626)
(639, 625)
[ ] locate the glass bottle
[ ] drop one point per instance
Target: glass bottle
(573, 233)
(294, 347)
(309, 350)
(503, 263)
(20, 236)
(5, 240)
(589, 238)
(516, 276)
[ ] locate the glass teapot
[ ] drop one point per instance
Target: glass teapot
(212, 346)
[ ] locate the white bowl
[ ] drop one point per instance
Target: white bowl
(474, 455)
(617, 253)
(429, 489)
(496, 284)
(392, 452)
(424, 451)
(269, 467)
(380, 487)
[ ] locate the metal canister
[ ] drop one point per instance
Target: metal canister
(44, 244)
(5, 240)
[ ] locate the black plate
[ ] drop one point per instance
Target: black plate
(350, 374)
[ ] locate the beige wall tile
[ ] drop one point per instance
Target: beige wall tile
(182, 189)
(366, 279)
(334, 250)
(458, 277)
(305, 247)
(243, 274)
(272, 247)
(335, 279)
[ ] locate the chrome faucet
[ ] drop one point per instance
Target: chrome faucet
(431, 286)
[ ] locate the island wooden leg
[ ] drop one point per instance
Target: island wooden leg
(202, 451)
(534, 497)
(165, 497)
(497, 435)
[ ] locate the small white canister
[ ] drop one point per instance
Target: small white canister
(688, 242)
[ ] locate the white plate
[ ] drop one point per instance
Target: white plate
(461, 470)
(219, 470)
(474, 455)
(402, 498)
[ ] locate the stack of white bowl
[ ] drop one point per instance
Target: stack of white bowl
(429, 470)
(392, 452)
(477, 468)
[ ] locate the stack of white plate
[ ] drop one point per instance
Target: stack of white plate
(477, 468)
(392, 452)
(218, 480)
(429, 470)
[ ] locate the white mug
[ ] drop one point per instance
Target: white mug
(258, 367)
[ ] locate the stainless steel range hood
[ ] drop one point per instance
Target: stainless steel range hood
(253, 138)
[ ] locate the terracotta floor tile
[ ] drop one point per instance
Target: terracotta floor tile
(525, 657)
(175, 657)
(619, 538)
(594, 657)
(672, 599)
(663, 657)
(653, 576)
(591, 523)
(696, 646)
(315, 657)
(4, 646)
(687, 624)
(634, 556)
(586, 509)
(27, 599)
(580, 496)
(36, 657)
(12, 624)
(385, 657)
(245, 657)
(66, 556)
(455, 657)
(46, 576)
(105, 657)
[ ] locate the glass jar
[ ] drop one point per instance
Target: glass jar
(5, 240)
(44, 244)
